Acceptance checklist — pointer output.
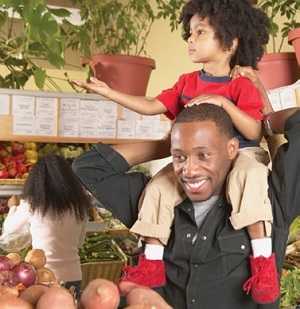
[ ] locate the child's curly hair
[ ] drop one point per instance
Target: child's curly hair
(232, 19)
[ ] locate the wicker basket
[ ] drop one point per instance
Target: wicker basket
(110, 270)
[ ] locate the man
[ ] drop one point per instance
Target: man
(206, 258)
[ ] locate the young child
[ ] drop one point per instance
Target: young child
(55, 207)
(220, 34)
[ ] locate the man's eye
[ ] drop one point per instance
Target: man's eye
(199, 32)
(204, 156)
(178, 158)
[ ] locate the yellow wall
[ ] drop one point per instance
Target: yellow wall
(166, 47)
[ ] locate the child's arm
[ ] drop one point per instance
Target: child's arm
(245, 124)
(141, 105)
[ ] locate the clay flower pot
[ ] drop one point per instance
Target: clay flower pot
(128, 74)
(294, 39)
(278, 69)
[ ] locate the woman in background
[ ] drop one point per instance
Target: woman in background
(53, 211)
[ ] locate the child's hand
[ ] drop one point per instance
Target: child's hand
(208, 98)
(247, 72)
(94, 85)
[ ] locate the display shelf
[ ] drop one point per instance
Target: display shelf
(8, 190)
(55, 117)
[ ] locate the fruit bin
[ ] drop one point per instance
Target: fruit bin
(16, 158)
(101, 257)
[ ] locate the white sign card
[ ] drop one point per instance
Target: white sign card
(4, 104)
(89, 111)
(69, 117)
(23, 115)
(23, 125)
(126, 129)
(46, 116)
(22, 105)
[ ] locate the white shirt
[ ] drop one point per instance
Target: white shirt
(59, 238)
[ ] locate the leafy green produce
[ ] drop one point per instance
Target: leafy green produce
(294, 230)
(99, 247)
(290, 288)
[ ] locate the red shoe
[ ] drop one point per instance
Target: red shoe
(264, 282)
(149, 273)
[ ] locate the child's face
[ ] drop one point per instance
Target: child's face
(203, 46)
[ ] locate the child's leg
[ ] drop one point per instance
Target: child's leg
(260, 242)
(153, 225)
(150, 270)
(247, 190)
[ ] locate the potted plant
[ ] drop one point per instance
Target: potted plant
(294, 39)
(35, 35)
(113, 35)
(278, 68)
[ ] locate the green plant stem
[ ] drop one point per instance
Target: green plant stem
(11, 25)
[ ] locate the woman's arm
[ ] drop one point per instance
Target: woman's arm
(16, 228)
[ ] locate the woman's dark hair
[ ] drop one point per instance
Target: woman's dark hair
(232, 19)
(208, 112)
(52, 188)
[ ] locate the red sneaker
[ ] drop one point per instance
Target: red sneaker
(264, 282)
(149, 273)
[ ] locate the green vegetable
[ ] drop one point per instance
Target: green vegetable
(290, 288)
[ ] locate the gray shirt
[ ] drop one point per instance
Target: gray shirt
(201, 209)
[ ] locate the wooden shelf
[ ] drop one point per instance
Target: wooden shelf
(75, 140)
(8, 190)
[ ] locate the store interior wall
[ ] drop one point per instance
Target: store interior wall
(166, 47)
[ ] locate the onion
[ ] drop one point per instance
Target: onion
(5, 263)
(6, 278)
(15, 258)
(36, 257)
(24, 273)
(45, 276)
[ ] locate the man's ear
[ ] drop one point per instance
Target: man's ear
(233, 148)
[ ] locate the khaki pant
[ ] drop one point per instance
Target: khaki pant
(157, 204)
(247, 191)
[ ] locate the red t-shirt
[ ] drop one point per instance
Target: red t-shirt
(241, 91)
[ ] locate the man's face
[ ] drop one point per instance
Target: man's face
(202, 157)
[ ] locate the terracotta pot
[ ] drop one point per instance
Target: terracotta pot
(278, 69)
(128, 74)
(294, 39)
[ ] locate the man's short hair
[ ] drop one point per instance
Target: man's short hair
(208, 112)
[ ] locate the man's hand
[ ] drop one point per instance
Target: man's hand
(208, 98)
(94, 85)
(252, 75)
(247, 72)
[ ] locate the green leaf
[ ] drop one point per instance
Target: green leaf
(59, 12)
(39, 77)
